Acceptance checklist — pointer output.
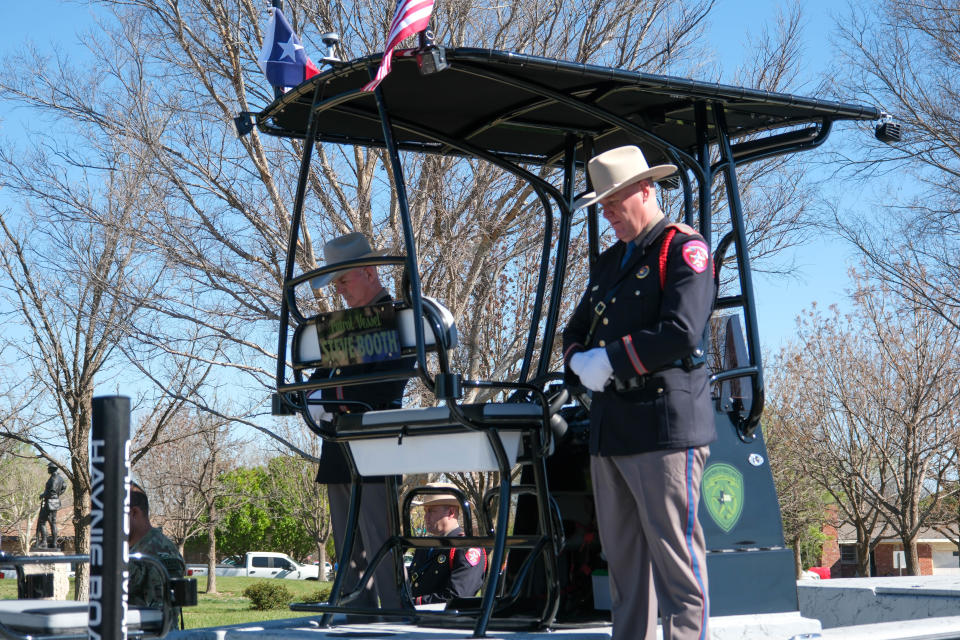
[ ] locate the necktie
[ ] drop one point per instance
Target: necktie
(626, 254)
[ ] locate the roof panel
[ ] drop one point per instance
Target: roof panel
(508, 103)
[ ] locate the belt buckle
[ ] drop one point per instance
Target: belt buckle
(630, 384)
(600, 308)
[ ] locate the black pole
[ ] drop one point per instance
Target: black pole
(277, 91)
(747, 426)
(109, 516)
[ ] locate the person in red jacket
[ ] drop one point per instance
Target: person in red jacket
(634, 340)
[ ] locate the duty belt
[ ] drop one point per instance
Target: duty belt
(636, 383)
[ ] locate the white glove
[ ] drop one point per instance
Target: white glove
(593, 367)
(319, 412)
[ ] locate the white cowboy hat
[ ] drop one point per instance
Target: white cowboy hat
(349, 247)
(618, 168)
(437, 499)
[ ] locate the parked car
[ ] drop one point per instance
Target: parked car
(822, 572)
(327, 570)
(260, 564)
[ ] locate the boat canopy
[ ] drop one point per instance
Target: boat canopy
(522, 107)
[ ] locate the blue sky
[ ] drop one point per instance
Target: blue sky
(822, 265)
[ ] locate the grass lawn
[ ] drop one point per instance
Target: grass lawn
(228, 606)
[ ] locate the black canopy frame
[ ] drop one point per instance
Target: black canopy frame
(515, 111)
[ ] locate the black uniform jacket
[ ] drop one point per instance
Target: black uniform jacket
(645, 331)
(436, 577)
(333, 468)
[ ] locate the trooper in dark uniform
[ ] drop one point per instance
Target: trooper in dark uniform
(438, 574)
(635, 340)
(359, 287)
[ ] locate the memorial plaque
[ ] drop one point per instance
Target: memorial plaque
(357, 336)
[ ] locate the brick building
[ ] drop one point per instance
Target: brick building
(937, 554)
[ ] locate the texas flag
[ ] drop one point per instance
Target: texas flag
(282, 58)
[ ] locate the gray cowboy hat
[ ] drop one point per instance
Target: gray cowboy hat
(349, 247)
(618, 168)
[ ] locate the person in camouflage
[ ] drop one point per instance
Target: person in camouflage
(146, 584)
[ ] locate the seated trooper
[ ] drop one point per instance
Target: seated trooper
(146, 584)
(438, 574)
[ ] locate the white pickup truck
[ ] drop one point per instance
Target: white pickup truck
(260, 564)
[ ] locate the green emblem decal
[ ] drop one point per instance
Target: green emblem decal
(722, 489)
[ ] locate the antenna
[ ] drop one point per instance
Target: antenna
(330, 39)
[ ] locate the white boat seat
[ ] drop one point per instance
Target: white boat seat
(306, 345)
(425, 440)
(63, 617)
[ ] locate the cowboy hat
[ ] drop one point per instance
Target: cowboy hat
(437, 499)
(349, 247)
(618, 168)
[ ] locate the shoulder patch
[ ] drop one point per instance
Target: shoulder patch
(683, 228)
(473, 556)
(696, 255)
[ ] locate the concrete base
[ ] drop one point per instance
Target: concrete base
(60, 571)
(766, 626)
(928, 629)
(777, 626)
(845, 602)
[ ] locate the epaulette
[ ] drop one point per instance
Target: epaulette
(671, 230)
(683, 228)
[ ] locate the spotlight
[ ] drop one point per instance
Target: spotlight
(432, 60)
(888, 130)
(430, 57)
(244, 123)
(281, 406)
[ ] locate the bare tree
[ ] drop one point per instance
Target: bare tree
(872, 399)
(22, 479)
(168, 472)
(227, 218)
(905, 56)
(293, 481)
(803, 509)
(71, 277)
(182, 475)
(165, 78)
(216, 451)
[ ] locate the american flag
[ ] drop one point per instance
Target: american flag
(412, 16)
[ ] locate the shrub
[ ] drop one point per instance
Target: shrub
(320, 595)
(268, 595)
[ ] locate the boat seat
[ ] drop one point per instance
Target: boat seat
(306, 341)
(428, 440)
(67, 617)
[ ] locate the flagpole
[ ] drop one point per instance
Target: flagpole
(277, 91)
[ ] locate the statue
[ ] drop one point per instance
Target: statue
(55, 487)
